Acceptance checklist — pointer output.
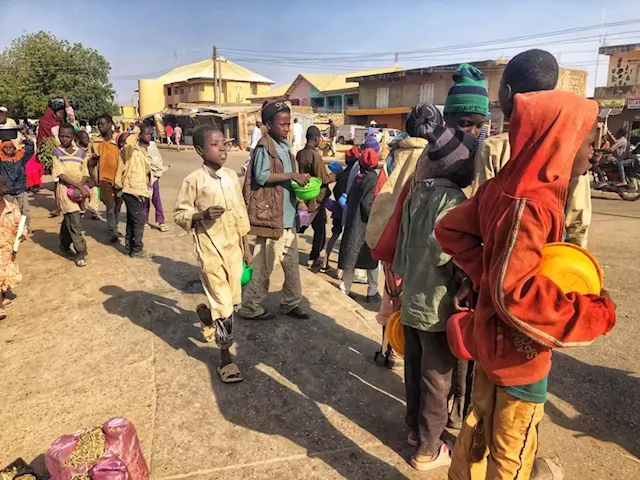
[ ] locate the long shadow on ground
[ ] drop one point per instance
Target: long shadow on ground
(316, 356)
(607, 401)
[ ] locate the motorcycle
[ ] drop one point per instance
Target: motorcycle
(606, 177)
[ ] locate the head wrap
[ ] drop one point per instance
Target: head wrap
(423, 119)
(270, 110)
(368, 161)
(448, 150)
(469, 92)
(352, 155)
(370, 142)
(17, 156)
(4, 109)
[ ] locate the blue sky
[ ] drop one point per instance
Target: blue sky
(147, 38)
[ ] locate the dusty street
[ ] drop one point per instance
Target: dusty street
(120, 338)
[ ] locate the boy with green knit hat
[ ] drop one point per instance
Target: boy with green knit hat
(467, 104)
(466, 108)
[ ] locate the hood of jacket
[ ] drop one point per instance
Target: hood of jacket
(546, 131)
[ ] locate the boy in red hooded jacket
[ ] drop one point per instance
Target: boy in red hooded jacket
(497, 237)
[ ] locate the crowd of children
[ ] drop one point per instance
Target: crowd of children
(462, 272)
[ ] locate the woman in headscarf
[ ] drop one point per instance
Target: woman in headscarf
(398, 169)
(354, 252)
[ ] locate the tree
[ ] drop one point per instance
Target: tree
(38, 67)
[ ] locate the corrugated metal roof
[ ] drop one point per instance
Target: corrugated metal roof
(274, 92)
(335, 82)
(204, 69)
(486, 64)
(613, 49)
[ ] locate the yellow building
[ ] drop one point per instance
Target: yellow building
(193, 84)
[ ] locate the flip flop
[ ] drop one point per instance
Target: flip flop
(163, 227)
(547, 469)
(443, 459)
(230, 373)
(6, 303)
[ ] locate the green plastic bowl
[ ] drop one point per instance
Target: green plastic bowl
(309, 191)
(247, 272)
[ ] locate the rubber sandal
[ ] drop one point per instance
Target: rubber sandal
(6, 303)
(81, 262)
(422, 464)
(163, 227)
(547, 469)
(230, 373)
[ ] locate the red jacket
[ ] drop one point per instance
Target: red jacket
(497, 236)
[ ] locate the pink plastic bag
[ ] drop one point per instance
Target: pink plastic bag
(122, 458)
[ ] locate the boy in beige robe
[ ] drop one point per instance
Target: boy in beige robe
(210, 206)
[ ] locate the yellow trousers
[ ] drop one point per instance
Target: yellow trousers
(499, 438)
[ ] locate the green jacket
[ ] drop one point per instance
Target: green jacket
(427, 272)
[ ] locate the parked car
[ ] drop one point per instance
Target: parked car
(383, 135)
(348, 133)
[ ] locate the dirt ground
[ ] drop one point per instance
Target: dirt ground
(120, 338)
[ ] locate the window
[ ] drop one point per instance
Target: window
(427, 93)
(202, 88)
(254, 89)
(351, 101)
(182, 91)
(169, 91)
(382, 97)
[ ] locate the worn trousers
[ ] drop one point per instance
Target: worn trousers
(71, 234)
(268, 253)
(499, 437)
(428, 366)
(113, 203)
(22, 199)
(372, 281)
(319, 225)
(157, 204)
(135, 222)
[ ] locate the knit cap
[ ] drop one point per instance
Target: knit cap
(449, 149)
(469, 92)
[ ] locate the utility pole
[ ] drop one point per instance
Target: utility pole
(215, 74)
(600, 42)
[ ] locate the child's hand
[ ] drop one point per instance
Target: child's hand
(247, 256)
(213, 213)
(463, 299)
(85, 193)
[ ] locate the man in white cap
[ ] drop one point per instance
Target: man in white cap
(5, 121)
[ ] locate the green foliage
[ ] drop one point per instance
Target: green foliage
(45, 152)
(38, 66)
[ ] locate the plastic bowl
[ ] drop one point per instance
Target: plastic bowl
(329, 203)
(309, 191)
(247, 272)
(572, 268)
(74, 198)
(335, 167)
(395, 333)
(304, 217)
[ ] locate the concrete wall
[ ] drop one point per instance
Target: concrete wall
(201, 91)
(151, 96)
(405, 92)
(301, 92)
(572, 81)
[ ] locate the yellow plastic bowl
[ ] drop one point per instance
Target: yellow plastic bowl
(395, 333)
(572, 268)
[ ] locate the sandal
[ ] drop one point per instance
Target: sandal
(81, 262)
(547, 469)
(6, 303)
(230, 373)
(3, 314)
(163, 227)
(424, 463)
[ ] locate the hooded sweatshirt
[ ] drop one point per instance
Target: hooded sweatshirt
(397, 170)
(497, 237)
